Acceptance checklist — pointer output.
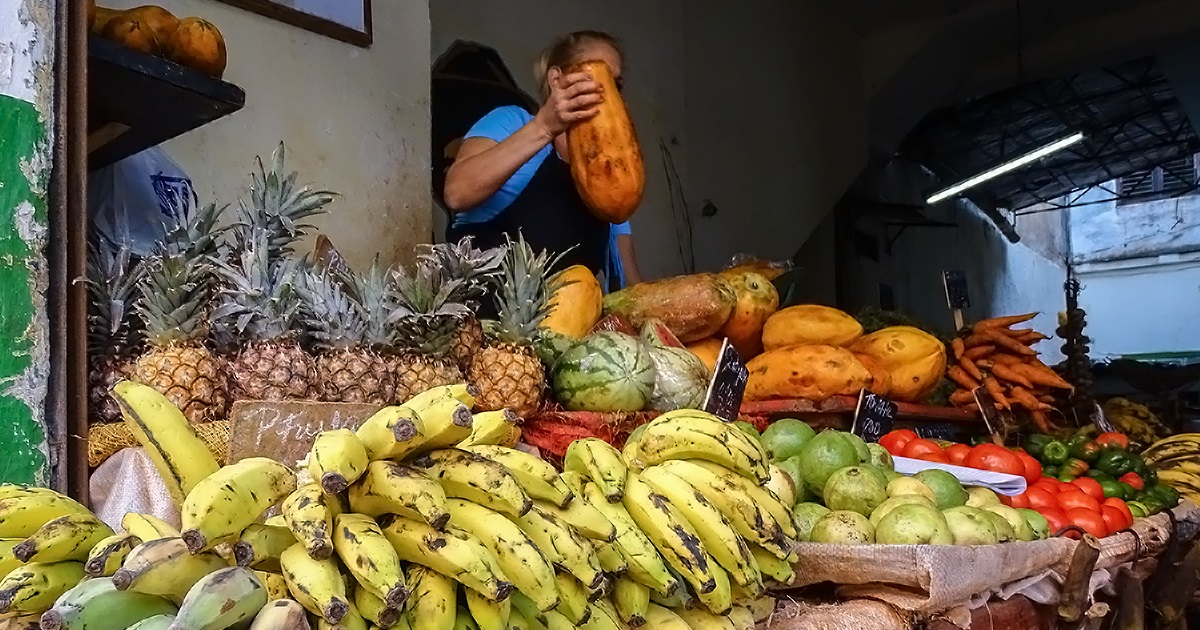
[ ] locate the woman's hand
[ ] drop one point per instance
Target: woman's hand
(573, 98)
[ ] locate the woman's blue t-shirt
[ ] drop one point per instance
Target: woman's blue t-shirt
(498, 125)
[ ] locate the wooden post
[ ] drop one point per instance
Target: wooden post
(1075, 589)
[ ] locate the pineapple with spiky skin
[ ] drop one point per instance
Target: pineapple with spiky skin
(477, 269)
(508, 372)
(348, 368)
(114, 334)
(262, 306)
(428, 319)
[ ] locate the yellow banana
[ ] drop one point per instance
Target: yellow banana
(374, 609)
(584, 517)
(259, 546)
(671, 534)
(446, 423)
(600, 462)
(316, 584)
(390, 433)
(488, 615)
(681, 598)
(645, 564)
(281, 614)
(33, 588)
(780, 570)
(744, 595)
(147, 527)
(537, 477)
(9, 490)
(369, 557)
(308, 513)
(8, 561)
(391, 488)
(277, 587)
(715, 532)
(474, 478)
(697, 435)
(452, 552)
(462, 392)
(109, 554)
(22, 515)
(519, 559)
(431, 605)
(352, 621)
(610, 557)
(493, 427)
(517, 621)
(338, 458)
(660, 618)
(781, 485)
(701, 619)
(68, 537)
(631, 600)
(181, 457)
(719, 600)
(562, 545)
(166, 568)
(524, 610)
(574, 601)
(742, 618)
(228, 598)
(222, 505)
(605, 617)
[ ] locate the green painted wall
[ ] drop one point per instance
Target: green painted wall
(23, 177)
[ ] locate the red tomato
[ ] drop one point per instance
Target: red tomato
(1033, 468)
(1118, 504)
(1076, 499)
(920, 446)
(996, 459)
(1090, 487)
(1113, 440)
(1056, 519)
(957, 454)
(1089, 520)
(1049, 484)
(1019, 501)
(1134, 480)
(1041, 499)
(1114, 519)
(932, 457)
(894, 441)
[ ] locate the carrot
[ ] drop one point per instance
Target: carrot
(1032, 337)
(979, 352)
(1027, 400)
(1002, 322)
(1048, 399)
(1006, 373)
(962, 398)
(969, 367)
(984, 364)
(959, 348)
(997, 391)
(975, 340)
(1004, 358)
(1042, 422)
(960, 376)
(1008, 343)
(1014, 332)
(1041, 375)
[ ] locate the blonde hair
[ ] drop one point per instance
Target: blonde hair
(562, 51)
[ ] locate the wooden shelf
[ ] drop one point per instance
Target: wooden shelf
(136, 101)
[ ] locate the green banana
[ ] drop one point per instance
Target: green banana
(166, 568)
(643, 561)
(475, 478)
(452, 552)
(33, 588)
(157, 622)
(308, 512)
(281, 614)
(600, 462)
(431, 605)
(463, 620)
(68, 537)
(259, 546)
(391, 488)
(109, 554)
(487, 614)
(562, 545)
(631, 600)
(316, 584)
(227, 598)
(226, 502)
(720, 599)
(369, 557)
(780, 570)
(96, 604)
(537, 477)
(574, 600)
(671, 534)
(519, 559)
(337, 459)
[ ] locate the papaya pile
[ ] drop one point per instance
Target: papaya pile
(150, 29)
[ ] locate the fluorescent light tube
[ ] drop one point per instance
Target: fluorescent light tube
(1006, 167)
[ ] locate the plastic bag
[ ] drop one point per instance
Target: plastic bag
(129, 482)
(768, 268)
(131, 199)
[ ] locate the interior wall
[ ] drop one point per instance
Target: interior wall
(355, 121)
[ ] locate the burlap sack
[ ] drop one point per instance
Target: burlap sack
(852, 615)
(129, 482)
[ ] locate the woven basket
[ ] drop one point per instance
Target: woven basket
(104, 440)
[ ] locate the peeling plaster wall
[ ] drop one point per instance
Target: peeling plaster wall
(26, 108)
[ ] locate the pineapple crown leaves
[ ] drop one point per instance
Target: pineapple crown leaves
(259, 301)
(279, 206)
(373, 293)
(525, 289)
(427, 309)
(112, 284)
(192, 231)
(477, 269)
(334, 319)
(175, 298)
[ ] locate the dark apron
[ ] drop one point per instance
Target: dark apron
(551, 215)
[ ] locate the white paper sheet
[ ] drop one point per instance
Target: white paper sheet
(1000, 483)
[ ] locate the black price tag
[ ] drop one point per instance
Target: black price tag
(728, 385)
(955, 281)
(873, 417)
(987, 408)
(935, 432)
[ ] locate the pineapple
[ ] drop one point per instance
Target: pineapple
(348, 368)
(261, 306)
(279, 207)
(477, 269)
(176, 293)
(114, 336)
(429, 320)
(508, 372)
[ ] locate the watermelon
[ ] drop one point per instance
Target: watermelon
(607, 371)
(680, 377)
(550, 345)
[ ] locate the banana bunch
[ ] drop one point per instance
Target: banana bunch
(1134, 420)
(1176, 459)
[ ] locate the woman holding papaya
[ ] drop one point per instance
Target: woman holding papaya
(511, 175)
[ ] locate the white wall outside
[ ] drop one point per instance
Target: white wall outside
(1145, 305)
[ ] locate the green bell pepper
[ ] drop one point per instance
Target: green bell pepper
(1050, 471)
(1130, 491)
(1073, 467)
(1036, 443)
(1065, 475)
(1162, 493)
(1138, 509)
(1055, 453)
(1113, 488)
(1115, 463)
(1078, 438)
(1088, 451)
(1099, 475)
